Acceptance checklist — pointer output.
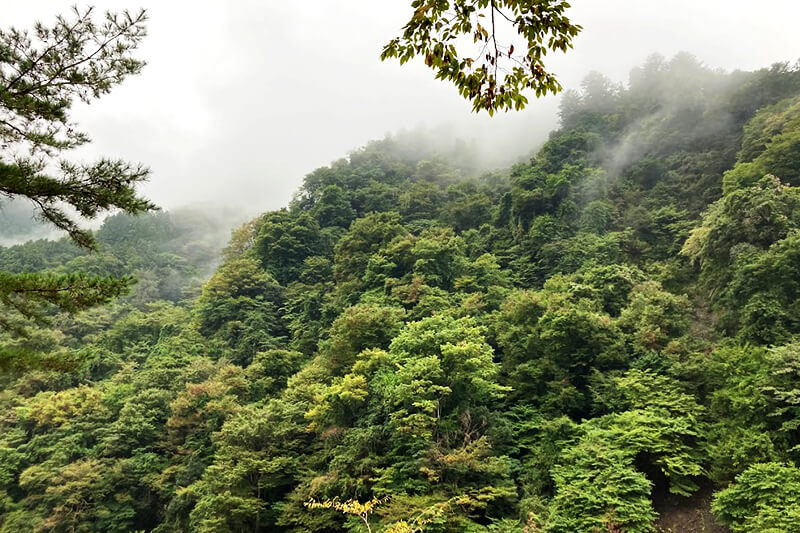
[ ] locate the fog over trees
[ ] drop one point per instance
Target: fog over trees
(583, 317)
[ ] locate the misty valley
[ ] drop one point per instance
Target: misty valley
(603, 337)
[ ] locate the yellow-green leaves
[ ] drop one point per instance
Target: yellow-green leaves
(349, 507)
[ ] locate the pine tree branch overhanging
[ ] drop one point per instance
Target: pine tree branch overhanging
(42, 72)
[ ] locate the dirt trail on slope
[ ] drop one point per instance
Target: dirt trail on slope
(687, 515)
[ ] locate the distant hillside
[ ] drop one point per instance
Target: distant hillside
(604, 338)
(17, 224)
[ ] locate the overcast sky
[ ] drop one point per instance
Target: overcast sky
(241, 98)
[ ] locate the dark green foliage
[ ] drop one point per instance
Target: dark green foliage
(41, 74)
(571, 345)
(746, 247)
(366, 236)
(286, 241)
(23, 293)
(241, 305)
(333, 208)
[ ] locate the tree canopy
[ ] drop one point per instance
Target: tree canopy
(601, 338)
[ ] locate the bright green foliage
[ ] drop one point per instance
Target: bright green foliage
(444, 366)
(763, 499)
(784, 395)
(496, 77)
(600, 490)
(655, 426)
(525, 351)
(743, 431)
(668, 441)
(256, 462)
(770, 121)
(654, 318)
(770, 145)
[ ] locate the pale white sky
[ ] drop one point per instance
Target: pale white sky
(241, 98)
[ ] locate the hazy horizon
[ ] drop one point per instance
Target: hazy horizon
(239, 102)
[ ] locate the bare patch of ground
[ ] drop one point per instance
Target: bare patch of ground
(687, 515)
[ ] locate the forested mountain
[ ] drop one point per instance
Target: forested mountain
(169, 255)
(603, 338)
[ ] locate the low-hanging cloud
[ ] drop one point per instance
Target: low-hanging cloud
(241, 99)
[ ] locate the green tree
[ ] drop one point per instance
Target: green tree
(599, 489)
(522, 351)
(241, 305)
(42, 73)
(285, 241)
(494, 78)
(763, 499)
(747, 248)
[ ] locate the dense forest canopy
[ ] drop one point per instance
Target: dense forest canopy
(596, 339)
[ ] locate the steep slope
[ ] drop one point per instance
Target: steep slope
(603, 338)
